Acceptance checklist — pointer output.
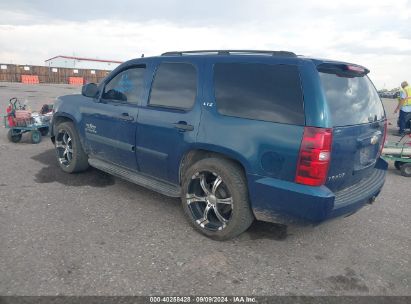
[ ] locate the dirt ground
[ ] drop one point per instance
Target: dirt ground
(93, 234)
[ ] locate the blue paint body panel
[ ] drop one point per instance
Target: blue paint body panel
(287, 202)
(149, 142)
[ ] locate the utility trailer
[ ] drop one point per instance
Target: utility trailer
(400, 153)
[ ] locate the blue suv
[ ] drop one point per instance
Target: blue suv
(238, 135)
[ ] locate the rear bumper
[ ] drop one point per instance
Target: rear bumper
(285, 202)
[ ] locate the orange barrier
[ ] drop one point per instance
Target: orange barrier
(76, 80)
(30, 79)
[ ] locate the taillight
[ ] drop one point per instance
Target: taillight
(314, 158)
(384, 137)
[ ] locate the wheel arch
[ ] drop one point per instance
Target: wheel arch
(196, 154)
(57, 119)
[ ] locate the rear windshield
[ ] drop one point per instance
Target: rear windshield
(351, 101)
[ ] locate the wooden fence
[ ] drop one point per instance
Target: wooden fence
(12, 73)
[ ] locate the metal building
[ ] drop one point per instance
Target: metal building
(81, 63)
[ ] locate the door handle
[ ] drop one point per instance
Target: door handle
(183, 126)
(126, 116)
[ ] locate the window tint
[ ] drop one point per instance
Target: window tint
(126, 86)
(174, 86)
(351, 101)
(259, 91)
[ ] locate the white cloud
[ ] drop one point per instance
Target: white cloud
(372, 33)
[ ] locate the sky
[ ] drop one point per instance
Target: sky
(373, 33)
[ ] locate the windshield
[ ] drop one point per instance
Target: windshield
(351, 100)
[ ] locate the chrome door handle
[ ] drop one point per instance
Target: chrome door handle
(126, 116)
(183, 126)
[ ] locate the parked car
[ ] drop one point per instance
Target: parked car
(389, 94)
(237, 135)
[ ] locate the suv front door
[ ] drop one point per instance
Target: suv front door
(168, 122)
(110, 123)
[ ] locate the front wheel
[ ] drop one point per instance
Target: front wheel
(35, 137)
(215, 198)
(70, 154)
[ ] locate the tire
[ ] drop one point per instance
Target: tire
(44, 131)
(406, 169)
(69, 152)
(35, 137)
(15, 138)
(397, 164)
(220, 210)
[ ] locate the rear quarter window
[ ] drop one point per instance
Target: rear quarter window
(351, 100)
(259, 91)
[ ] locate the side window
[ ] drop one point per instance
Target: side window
(259, 91)
(127, 86)
(174, 86)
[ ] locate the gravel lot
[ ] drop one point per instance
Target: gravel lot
(93, 234)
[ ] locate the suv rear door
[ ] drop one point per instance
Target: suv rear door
(168, 122)
(358, 119)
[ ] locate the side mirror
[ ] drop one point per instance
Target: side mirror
(89, 90)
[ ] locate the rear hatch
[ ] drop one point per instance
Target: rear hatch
(358, 121)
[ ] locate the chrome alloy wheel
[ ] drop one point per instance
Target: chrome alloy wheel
(64, 148)
(209, 201)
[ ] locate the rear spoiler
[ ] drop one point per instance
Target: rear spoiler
(343, 69)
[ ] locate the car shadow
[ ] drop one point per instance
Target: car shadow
(96, 178)
(265, 230)
(53, 173)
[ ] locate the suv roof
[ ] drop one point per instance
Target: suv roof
(259, 53)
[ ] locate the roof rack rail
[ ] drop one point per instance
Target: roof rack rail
(229, 52)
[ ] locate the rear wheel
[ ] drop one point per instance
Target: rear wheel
(215, 198)
(13, 136)
(70, 154)
(406, 169)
